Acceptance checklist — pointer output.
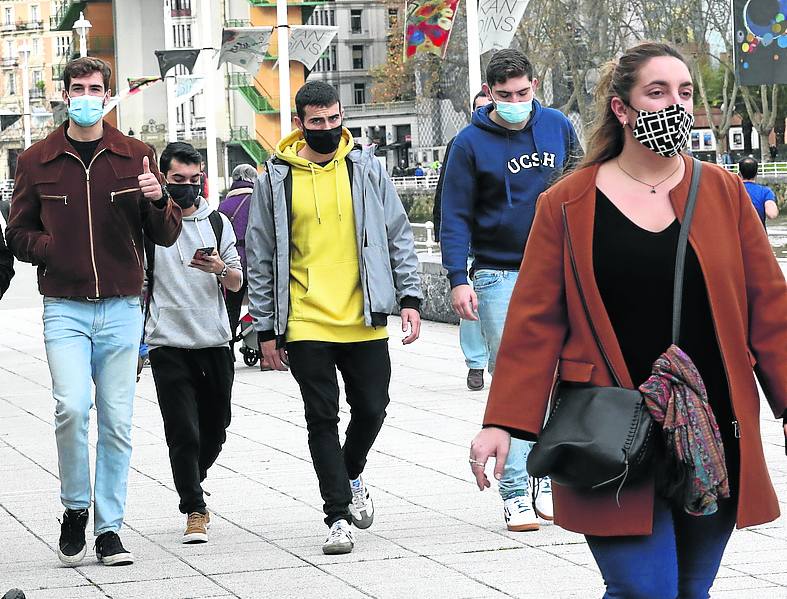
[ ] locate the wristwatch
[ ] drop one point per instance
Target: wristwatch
(223, 272)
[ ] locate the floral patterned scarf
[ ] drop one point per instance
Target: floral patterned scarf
(676, 398)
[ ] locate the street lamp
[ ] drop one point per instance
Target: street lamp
(81, 26)
(24, 52)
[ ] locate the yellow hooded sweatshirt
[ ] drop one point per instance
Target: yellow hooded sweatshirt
(326, 301)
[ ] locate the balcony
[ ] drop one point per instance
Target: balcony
(66, 15)
(232, 23)
(9, 63)
(181, 12)
(272, 3)
(380, 109)
(29, 25)
(252, 147)
(37, 93)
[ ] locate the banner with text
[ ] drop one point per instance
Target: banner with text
(309, 42)
(245, 46)
(498, 21)
(187, 86)
(427, 27)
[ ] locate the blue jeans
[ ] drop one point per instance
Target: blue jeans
(494, 289)
(99, 342)
(472, 342)
(679, 560)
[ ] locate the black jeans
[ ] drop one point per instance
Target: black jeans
(234, 303)
(194, 388)
(366, 370)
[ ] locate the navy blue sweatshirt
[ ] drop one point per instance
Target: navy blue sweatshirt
(492, 181)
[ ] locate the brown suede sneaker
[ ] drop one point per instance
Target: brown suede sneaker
(196, 528)
(475, 379)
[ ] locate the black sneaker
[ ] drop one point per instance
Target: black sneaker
(14, 594)
(71, 548)
(111, 552)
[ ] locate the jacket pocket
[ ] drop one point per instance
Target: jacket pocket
(575, 372)
(332, 294)
(121, 192)
(486, 278)
(379, 279)
(54, 198)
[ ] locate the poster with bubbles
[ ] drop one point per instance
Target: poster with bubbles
(760, 41)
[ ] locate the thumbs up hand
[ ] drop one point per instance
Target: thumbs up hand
(148, 182)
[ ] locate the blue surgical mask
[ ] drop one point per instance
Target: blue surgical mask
(86, 110)
(514, 112)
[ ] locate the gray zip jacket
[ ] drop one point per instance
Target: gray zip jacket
(386, 251)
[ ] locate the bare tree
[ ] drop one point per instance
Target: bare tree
(762, 113)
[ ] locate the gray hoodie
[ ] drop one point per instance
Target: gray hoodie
(187, 309)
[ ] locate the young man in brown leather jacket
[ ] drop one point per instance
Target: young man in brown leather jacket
(82, 199)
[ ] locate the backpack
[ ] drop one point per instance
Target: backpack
(216, 223)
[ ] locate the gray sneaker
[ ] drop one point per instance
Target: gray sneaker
(340, 539)
(361, 507)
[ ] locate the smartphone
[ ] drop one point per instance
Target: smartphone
(203, 252)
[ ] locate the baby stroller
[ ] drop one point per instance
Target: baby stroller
(247, 337)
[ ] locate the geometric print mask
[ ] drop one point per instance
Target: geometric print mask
(664, 131)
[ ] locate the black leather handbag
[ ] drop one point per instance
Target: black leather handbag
(600, 437)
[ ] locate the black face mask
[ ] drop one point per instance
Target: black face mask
(323, 141)
(184, 195)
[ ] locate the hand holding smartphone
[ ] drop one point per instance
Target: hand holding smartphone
(202, 253)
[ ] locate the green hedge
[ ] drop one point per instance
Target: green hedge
(418, 204)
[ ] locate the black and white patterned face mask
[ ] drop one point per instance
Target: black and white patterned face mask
(664, 131)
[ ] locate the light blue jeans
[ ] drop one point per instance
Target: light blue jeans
(99, 342)
(494, 289)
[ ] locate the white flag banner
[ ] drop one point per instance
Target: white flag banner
(309, 42)
(245, 46)
(187, 86)
(498, 21)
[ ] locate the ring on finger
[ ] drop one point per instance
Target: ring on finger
(476, 463)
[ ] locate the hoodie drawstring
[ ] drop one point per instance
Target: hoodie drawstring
(314, 189)
(336, 181)
(202, 239)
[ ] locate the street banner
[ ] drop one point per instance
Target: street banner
(245, 46)
(169, 58)
(135, 86)
(309, 42)
(760, 41)
(187, 86)
(427, 27)
(498, 21)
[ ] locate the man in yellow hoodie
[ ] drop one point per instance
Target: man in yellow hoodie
(330, 256)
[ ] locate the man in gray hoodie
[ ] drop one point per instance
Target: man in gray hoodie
(188, 332)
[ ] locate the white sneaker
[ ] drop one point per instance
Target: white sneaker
(519, 515)
(340, 539)
(542, 498)
(361, 508)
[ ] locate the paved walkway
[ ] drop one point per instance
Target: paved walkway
(435, 536)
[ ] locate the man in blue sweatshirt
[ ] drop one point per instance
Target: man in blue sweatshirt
(512, 151)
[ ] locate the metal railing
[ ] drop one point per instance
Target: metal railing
(425, 182)
(379, 107)
(778, 169)
(424, 237)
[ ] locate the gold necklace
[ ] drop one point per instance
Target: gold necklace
(652, 186)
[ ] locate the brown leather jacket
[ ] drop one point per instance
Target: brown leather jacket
(82, 224)
(546, 328)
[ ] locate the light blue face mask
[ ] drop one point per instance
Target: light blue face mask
(86, 110)
(514, 112)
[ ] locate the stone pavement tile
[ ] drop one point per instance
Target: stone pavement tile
(774, 565)
(409, 577)
(244, 559)
(190, 587)
(562, 581)
(290, 583)
(740, 582)
(780, 579)
(84, 592)
(143, 569)
(758, 593)
(40, 575)
(368, 547)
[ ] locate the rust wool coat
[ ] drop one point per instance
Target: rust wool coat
(547, 334)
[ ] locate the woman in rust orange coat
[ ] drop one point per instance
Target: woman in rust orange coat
(623, 209)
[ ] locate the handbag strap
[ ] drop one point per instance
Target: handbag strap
(677, 295)
(680, 257)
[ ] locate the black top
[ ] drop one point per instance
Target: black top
(85, 149)
(635, 271)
